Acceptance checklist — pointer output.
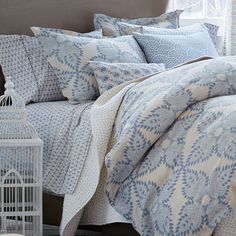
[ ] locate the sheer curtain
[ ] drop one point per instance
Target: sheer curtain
(230, 28)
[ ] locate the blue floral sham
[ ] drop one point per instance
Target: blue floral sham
(70, 56)
(173, 50)
(110, 27)
(41, 30)
(109, 75)
(128, 29)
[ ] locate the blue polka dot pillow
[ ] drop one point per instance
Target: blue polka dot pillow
(128, 29)
(70, 56)
(110, 28)
(173, 50)
(109, 75)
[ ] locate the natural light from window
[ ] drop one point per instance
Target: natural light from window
(200, 8)
(211, 11)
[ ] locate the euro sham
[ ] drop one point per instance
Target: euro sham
(110, 27)
(70, 56)
(128, 29)
(109, 75)
(173, 50)
(42, 30)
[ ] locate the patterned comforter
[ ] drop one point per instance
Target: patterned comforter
(172, 158)
(66, 132)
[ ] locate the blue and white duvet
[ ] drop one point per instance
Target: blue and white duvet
(171, 157)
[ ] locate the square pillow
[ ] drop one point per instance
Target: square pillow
(23, 59)
(110, 28)
(70, 56)
(173, 50)
(109, 75)
(128, 29)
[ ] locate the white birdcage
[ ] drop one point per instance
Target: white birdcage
(20, 168)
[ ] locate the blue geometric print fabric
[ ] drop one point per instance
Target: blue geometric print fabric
(22, 58)
(127, 29)
(66, 132)
(70, 56)
(172, 164)
(167, 20)
(173, 50)
(109, 75)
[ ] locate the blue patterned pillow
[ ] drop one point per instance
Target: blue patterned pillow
(23, 59)
(176, 49)
(70, 57)
(127, 29)
(108, 75)
(41, 30)
(110, 27)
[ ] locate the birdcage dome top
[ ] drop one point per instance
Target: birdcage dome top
(13, 124)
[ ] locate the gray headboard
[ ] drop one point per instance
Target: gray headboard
(16, 16)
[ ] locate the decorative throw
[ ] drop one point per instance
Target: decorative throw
(171, 148)
(109, 75)
(173, 50)
(110, 28)
(70, 56)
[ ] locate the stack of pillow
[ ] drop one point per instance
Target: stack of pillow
(59, 64)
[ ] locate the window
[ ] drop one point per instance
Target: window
(200, 8)
(211, 11)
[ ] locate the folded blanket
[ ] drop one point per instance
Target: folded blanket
(171, 148)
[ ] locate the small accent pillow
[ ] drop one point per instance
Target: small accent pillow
(176, 49)
(109, 75)
(70, 57)
(23, 59)
(128, 29)
(110, 28)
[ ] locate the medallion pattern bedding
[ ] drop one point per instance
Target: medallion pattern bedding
(66, 132)
(172, 157)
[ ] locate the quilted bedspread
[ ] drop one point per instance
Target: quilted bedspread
(171, 160)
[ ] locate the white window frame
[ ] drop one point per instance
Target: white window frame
(220, 21)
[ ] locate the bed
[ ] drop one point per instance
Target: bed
(94, 209)
(77, 15)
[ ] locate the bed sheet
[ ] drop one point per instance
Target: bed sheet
(66, 132)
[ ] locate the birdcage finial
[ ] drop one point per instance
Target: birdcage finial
(9, 86)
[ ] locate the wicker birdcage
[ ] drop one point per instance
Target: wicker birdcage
(20, 168)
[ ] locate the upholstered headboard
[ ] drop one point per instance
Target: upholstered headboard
(16, 16)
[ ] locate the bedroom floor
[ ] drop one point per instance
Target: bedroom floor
(54, 231)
